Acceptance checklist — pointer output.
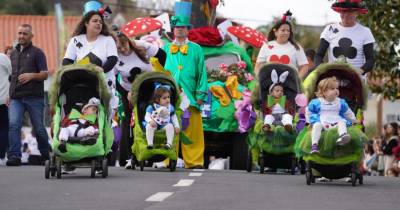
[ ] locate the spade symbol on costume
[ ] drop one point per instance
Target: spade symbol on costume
(79, 45)
(133, 73)
(345, 49)
(109, 83)
(94, 59)
(121, 63)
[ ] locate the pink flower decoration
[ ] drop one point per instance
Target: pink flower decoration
(223, 67)
(241, 65)
(248, 77)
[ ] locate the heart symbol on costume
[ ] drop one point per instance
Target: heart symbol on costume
(284, 59)
(270, 46)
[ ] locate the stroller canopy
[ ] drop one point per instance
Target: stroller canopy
(351, 86)
(291, 85)
(78, 83)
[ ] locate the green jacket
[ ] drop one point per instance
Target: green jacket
(192, 77)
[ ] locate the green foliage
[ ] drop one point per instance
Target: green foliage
(383, 18)
(25, 7)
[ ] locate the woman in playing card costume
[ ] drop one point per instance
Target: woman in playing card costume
(93, 43)
(282, 48)
(280, 108)
(133, 59)
(185, 61)
(348, 38)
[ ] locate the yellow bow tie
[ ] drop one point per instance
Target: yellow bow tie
(183, 49)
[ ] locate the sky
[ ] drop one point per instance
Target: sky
(254, 13)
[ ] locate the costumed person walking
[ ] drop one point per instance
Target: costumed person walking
(348, 38)
(282, 48)
(92, 42)
(133, 60)
(185, 61)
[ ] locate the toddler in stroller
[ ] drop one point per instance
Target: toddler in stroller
(78, 125)
(327, 111)
(277, 107)
(161, 115)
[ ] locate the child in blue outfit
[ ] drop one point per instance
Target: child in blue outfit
(328, 111)
(161, 115)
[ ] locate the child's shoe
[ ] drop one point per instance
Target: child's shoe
(314, 149)
(267, 128)
(149, 146)
(343, 139)
(288, 128)
(167, 146)
(63, 146)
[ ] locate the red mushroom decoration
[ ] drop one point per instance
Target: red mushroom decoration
(140, 26)
(247, 34)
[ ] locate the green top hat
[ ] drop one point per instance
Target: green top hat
(183, 11)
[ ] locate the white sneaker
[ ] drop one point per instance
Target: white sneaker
(343, 139)
(3, 161)
(323, 179)
(128, 164)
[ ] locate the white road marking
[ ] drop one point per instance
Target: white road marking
(184, 183)
(158, 197)
(198, 170)
(195, 174)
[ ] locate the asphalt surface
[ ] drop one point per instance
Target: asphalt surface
(26, 188)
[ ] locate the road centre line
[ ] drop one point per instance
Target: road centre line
(158, 197)
(184, 183)
(195, 174)
(198, 170)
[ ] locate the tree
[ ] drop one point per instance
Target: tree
(25, 7)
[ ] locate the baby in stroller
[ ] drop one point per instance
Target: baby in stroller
(161, 115)
(328, 111)
(77, 125)
(278, 109)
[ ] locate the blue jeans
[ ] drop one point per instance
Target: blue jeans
(35, 108)
(3, 130)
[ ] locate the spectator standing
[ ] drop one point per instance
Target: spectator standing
(5, 72)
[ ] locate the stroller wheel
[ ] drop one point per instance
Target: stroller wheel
(172, 165)
(93, 169)
(58, 168)
(308, 177)
(47, 169)
(53, 168)
(104, 165)
(353, 178)
(261, 162)
(249, 162)
(360, 179)
(141, 165)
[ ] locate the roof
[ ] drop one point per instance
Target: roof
(44, 29)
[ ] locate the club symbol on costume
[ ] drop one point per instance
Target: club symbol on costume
(345, 49)
(284, 59)
(121, 63)
(334, 30)
(133, 73)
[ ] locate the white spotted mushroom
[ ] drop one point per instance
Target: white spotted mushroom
(248, 35)
(140, 26)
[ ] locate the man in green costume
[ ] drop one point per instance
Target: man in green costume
(185, 61)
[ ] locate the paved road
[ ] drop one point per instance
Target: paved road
(25, 188)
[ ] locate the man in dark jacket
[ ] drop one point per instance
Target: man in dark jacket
(29, 70)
